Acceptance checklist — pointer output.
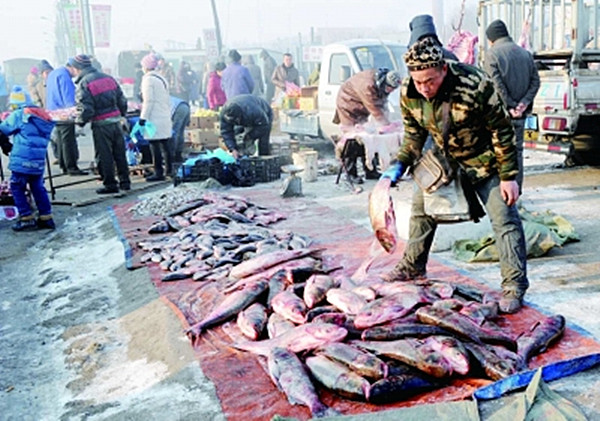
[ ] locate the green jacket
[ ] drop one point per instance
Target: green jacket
(481, 138)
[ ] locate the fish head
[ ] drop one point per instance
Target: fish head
(387, 239)
(326, 332)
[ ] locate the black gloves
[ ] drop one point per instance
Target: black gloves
(142, 122)
(5, 144)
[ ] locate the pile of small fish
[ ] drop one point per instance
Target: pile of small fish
(166, 201)
(364, 339)
(206, 237)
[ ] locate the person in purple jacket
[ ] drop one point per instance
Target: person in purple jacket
(236, 79)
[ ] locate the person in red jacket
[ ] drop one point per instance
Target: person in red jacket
(214, 92)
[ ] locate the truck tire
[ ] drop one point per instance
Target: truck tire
(586, 150)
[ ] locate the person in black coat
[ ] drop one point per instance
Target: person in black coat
(250, 115)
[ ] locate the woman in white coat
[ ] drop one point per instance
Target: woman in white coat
(156, 108)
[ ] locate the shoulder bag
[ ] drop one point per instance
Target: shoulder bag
(444, 185)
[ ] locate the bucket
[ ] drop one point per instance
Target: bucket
(307, 159)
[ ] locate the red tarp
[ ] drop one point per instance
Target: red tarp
(242, 384)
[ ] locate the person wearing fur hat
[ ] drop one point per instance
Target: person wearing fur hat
(100, 101)
(236, 79)
(516, 79)
(478, 137)
(362, 95)
(30, 128)
(156, 108)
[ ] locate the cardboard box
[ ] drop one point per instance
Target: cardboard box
(192, 135)
(194, 122)
(309, 91)
(209, 139)
(307, 104)
(207, 122)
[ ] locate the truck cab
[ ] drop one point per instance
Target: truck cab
(344, 59)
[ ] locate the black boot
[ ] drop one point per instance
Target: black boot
(351, 170)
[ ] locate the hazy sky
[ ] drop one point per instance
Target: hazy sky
(27, 29)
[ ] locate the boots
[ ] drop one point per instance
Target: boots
(352, 170)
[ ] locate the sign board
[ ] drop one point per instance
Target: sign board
(211, 45)
(312, 53)
(74, 24)
(101, 24)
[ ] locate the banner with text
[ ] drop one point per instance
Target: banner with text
(101, 24)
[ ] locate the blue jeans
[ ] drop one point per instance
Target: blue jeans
(18, 186)
(506, 224)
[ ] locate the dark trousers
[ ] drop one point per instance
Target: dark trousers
(109, 145)
(68, 152)
(160, 148)
(181, 118)
(353, 152)
(263, 134)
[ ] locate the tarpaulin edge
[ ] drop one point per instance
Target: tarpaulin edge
(550, 372)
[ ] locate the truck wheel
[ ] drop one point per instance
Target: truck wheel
(586, 150)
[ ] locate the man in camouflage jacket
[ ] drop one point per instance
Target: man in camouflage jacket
(482, 142)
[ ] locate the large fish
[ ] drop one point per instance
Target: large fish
(382, 216)
(388, 308)
(252, 320)
(361, 362)
(452, 350)
(338, 377)
(345, 300)
(277, 325)
(290, 306)
(496, 361)
(289, 375)
(399, 330)
(229, 307)
(463, 326)
(265, 261)
(413, 352)
(316, 288)
(301, 338)
(400, 387)
(540, 336)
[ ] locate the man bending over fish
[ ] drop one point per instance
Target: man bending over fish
(482, 142)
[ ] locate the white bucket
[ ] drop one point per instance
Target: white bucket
(307, 159)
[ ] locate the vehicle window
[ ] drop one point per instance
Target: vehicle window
(375, 56)
(398, 52)
(339, 69)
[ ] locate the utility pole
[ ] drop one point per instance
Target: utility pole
(217, 27)
(84, 7)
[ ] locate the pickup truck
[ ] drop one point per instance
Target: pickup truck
(340, 61)
(563, 39)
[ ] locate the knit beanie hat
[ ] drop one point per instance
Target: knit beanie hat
(496, 29)
(220, 66)
(34, 70)
(44, 66)
(80, 61)
(150, 61)
(424, 54)
(234, 56)
(393, 79)
(421, 26)
(19, 97)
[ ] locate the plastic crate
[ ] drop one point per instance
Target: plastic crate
(200, 171)
(263, 168)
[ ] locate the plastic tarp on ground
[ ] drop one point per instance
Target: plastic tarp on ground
(240, 378)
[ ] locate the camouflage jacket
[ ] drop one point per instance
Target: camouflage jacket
(481, 138)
